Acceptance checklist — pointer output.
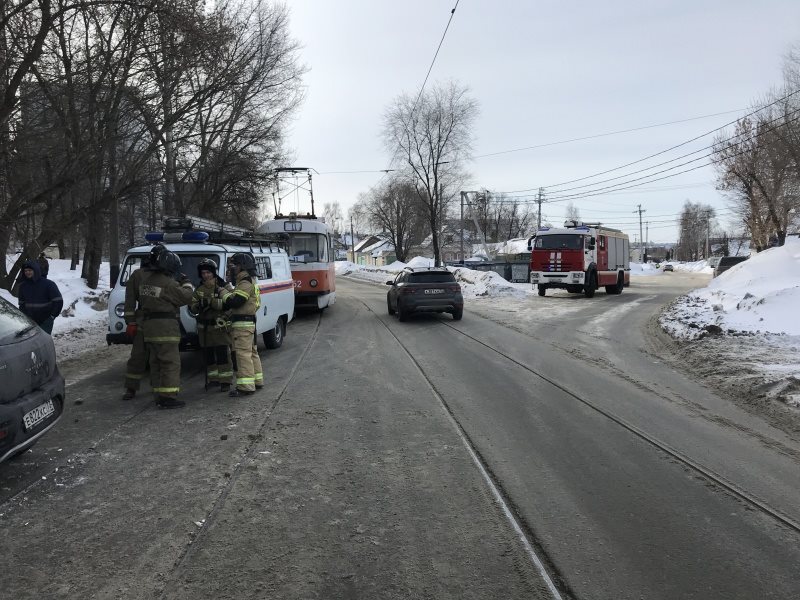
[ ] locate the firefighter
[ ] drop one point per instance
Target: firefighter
(243, 302)
(212, 326)
(161, 297)
(137, 363)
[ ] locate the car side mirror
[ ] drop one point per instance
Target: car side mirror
(390, 283)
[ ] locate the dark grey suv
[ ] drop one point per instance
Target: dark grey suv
(31, 388)
(424, 290)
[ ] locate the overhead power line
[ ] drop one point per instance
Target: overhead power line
(757, 110)
(599, 135)
(452, 12)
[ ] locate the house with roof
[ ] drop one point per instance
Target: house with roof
(374, 251)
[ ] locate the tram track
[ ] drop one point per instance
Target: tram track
(702, 470)
(553, 580)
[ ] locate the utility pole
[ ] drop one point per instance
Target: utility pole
(352, 240)
(462, 228)
(641, 237)
(646, 239)
(539, 200)
(708, 234)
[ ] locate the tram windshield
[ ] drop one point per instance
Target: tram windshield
(308, 247)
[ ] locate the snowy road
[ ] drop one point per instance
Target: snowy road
(346, 477)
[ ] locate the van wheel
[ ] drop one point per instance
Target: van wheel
(542, 290)
(274, 337)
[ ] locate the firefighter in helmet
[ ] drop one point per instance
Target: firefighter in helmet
(243, 302)
(137, 363)
(212, 326)
(161, 297)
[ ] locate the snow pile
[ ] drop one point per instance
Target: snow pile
(84, 319)
(759, 295)
(644, 269)
(700, 266)
(474, 284)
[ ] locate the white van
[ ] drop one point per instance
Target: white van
(192, 245)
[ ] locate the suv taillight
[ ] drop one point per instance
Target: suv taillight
(407, 290)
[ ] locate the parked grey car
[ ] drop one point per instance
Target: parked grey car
(31, 387)
(424, 290)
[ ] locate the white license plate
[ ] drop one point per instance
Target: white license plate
(434, 291)
(38, 414)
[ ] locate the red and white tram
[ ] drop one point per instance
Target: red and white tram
(310, 248)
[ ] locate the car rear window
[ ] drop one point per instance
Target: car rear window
(431, 277)
(12, 321)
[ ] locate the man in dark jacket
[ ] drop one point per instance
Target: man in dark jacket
(39, 298)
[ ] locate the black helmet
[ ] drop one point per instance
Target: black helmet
(168, 262)
(244, 261)
(207, 265)
(155, 251)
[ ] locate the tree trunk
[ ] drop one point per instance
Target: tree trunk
(93, 255)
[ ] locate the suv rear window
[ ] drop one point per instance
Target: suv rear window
(432, 277)
(12, 321)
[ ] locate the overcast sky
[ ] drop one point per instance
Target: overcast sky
(542, 71)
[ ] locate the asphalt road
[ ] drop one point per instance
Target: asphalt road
(495, 457)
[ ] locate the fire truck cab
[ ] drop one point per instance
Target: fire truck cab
(579, 258)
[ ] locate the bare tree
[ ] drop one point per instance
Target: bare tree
(430, 139)
(695, 227)
(572, 213)
(393, 209)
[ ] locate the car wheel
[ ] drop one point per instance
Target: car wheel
(457, 314)
(401, 313)
(542, 290)
(389, 306)
(274, 337)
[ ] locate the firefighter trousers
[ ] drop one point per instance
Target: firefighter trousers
(247, 362)
(165, 368)
(218, 364)
(137, 363)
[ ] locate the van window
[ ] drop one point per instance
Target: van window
(189, 264)
(263, 267)
(132, 262)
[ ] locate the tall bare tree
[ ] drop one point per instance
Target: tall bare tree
(393, 209)
(429, 138)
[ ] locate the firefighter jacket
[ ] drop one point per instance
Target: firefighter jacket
(243, 302)
(160, 297)
(212, 323)
(133, 312)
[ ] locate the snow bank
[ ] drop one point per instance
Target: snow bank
(759, 295)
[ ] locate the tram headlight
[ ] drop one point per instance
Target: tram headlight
(313, 283)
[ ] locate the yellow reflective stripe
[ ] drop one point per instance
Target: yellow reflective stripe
(259, 376)
(166, 390)
(245, 380)
(132, 376)
(242, 293)
(242, 324)
(213, 373)
(162, 339)
(225, 374)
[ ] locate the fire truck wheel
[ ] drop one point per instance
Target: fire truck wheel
(591, 285)
(542, 290)
(616, 288)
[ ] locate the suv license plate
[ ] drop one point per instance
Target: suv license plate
(434, 291)
(38, 414)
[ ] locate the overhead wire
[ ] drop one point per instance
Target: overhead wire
(452, 12)
(755, 111)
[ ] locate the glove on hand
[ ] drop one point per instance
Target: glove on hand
(130, 330)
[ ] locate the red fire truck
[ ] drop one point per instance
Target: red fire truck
(580, 257)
